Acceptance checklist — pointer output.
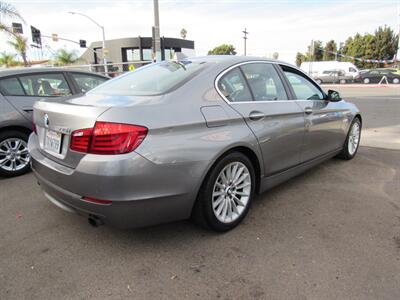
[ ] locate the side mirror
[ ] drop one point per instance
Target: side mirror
(333, 96)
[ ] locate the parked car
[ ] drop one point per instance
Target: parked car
(376, 75)
(333, 76)
(198, 137)
(316, 68)
(19, 89)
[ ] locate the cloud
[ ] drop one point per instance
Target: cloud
(285, 27)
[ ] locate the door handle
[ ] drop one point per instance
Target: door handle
(256, 115)
(308, 110)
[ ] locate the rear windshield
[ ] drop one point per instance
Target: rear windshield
(153, 79)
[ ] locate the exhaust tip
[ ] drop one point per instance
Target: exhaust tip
(95, 221)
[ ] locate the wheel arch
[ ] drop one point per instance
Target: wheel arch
(16, 128)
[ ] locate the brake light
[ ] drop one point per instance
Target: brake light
(108, 138)
(34, 127)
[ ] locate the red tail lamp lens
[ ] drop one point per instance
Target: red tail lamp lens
(108, 138)
(97, 201)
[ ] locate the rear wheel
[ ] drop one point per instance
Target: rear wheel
(352, 142)
(396, 80)
(366, 80)
(342, 81)
(226, 194)
(14, 155)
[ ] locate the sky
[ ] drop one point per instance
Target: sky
(286, 27)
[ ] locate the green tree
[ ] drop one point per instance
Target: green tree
(7, 60)
(223, 49)
(20, 44)
(8, 11)
(300, 57)
(317, 53)
(64, 57)
(183, 33)
(329, 48)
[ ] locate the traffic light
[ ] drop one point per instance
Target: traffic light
(82, 43)
(36, 36)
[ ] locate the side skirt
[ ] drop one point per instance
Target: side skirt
(275, 179)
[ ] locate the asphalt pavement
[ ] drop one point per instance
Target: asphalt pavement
(331, 233)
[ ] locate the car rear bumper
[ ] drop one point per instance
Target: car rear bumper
(142, 193)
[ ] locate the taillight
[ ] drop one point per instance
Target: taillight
(34, 127)
(108, 138)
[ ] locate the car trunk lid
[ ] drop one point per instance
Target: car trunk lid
(54, 124)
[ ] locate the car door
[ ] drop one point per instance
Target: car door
(324, 120)
(256, 91)
(25, 90)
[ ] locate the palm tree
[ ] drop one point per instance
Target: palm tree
(65, 57)
(20, 45)
(7, 60)
(8, 11)
(183, 33)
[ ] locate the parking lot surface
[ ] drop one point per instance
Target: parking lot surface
(331, 233)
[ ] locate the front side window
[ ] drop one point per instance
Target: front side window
(11, 87)
(45, 85)
(303, 88)
(234, 87)
(153, 79)
(264, 82)
(87, 82)
(352, 70)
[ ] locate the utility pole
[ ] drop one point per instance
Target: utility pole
(245, 40)
(157, 44)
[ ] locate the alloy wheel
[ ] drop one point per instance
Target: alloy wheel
(231, 192)
(14, 154)
(354, 138)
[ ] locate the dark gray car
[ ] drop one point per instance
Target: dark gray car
(198, 137)
(19, 89)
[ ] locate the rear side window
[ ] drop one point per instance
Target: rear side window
(86, 82)
(45, 85)
(303, 88)
(264, 82)
(11, 87)
(234, 87)
(153, 79)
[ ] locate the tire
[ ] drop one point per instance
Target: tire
(396, 81)
(366, 80)
(342, 81)
(14, 155)
(213, 197)
(349, 150)
(319, 81)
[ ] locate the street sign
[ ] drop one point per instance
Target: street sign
(54, 37)
(36, 36)
(82, 43)
(17, 28)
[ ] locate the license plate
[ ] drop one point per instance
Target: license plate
(52, 141)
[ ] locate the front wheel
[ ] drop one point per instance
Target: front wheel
(366, 80)
(226, 194)
(396, 80)
(352, 142)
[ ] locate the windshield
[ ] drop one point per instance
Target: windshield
(153, 79)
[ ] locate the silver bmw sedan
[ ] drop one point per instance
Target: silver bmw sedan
(192, 138)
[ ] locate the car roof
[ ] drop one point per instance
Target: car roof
(233, 59)
(23, 71)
